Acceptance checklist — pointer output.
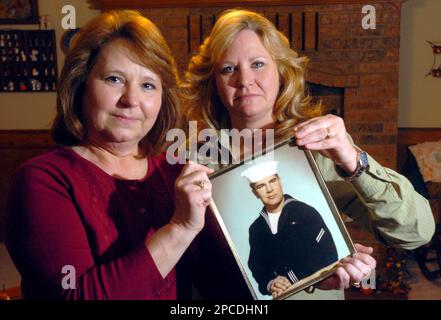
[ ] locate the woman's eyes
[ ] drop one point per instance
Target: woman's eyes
(227, 69)
(149, 86)
(118, 80)
(257, 64)
(114, 79)
(231, 69)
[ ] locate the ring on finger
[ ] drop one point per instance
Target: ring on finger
(199, 183)
(329, 135)
(356, 284)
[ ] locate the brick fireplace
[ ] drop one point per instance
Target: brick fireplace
(358, 68)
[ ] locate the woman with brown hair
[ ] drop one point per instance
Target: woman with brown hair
(104, 216)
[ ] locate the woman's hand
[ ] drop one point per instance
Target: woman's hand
(327, 134)
(193, 195)
(351, 270)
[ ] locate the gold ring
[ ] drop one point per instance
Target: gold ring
(356, 284)
(328, 134)
(199, 183)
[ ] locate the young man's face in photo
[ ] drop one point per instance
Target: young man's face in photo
(269, 190)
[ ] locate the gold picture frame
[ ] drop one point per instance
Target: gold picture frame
(310, 238)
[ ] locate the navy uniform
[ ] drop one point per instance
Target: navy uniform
(301, 246)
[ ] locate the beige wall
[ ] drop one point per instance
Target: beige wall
(36, 110)
(420, 96)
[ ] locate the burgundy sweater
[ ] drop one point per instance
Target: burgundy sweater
(64, 210)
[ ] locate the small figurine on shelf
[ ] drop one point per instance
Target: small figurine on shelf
(54, 86)
(46, 73)
(33, 55)
(46, 86)
(17, 54)
(23, 56)
(11, 86)
(53, 72)
(44, 57)
(17, 44)
(34, 72)
(36, 85)
(22, 86)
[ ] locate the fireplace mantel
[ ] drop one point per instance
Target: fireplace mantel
(145, 4)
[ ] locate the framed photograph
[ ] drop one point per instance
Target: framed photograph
(18, 11)
(280, 221)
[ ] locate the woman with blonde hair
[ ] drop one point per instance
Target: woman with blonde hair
(203, 100)
(245, 75)
(103, 215)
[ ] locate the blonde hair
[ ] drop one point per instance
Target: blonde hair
(201, 100)
(145, 44)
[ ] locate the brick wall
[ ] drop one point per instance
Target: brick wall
(363, 62)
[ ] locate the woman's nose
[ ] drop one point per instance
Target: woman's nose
(130, 97)
(245, 77)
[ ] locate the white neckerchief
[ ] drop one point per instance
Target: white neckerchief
(265, 215)
(273, 218)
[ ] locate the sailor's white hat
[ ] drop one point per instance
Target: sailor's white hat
(260, 171)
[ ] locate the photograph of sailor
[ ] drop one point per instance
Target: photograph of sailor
(289, 240)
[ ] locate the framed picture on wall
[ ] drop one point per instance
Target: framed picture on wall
(280, 221)
(18, 11)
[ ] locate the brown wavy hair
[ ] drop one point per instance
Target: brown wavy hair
(201, 100)
(146, 45)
